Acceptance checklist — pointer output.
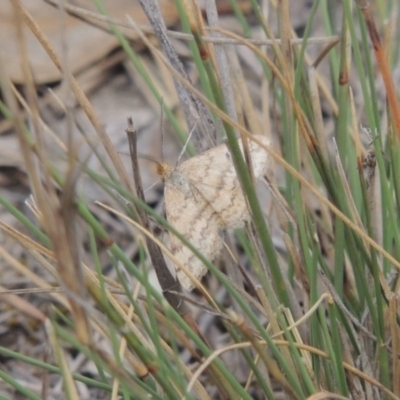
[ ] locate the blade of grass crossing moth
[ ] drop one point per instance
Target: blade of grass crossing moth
(244, 178)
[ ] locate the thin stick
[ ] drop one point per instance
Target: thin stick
(167, 282)
(194, 110)
(91, 16)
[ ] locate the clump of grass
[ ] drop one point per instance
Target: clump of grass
(334, 202)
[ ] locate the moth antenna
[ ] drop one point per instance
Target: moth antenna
(148, 158)
(162, 129)
(186, 144)
(152, 185)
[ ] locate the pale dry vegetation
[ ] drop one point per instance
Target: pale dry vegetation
(302, 302)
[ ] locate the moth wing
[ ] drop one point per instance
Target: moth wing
(193, 217)
(214, 176)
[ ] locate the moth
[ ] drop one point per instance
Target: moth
(202, 198)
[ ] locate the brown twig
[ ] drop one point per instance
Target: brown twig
(95, 19)
(198, 117)
(167, 281)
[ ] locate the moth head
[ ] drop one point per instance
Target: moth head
(164, 170)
